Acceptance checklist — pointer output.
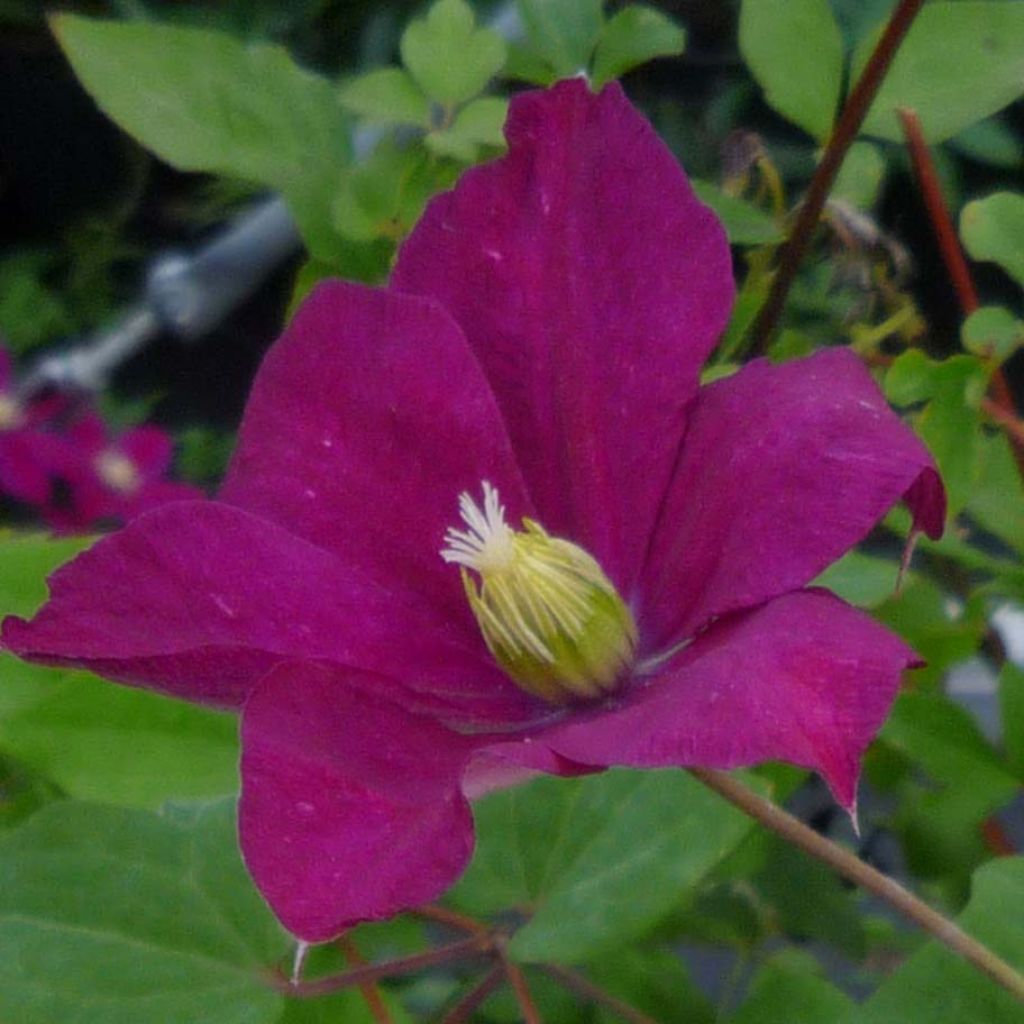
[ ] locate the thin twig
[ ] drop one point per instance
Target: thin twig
(959, 273)
(464, 949)
(584, 987)
(463, 1009)
(450, 918)
(368, 989)
(798, 834)
(845, 131)
(517, 982)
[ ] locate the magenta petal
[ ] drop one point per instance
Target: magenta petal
(783, 469)
(200, 599)
(592, 285)
(26, 462)
(804, 679)
(149, 448)
(351, 808)
(366, 421)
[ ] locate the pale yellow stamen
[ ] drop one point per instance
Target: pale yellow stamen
(548, 613)
(11, 414)
(118, 472)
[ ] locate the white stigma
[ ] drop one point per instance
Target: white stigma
(117, 471)
(486, 546)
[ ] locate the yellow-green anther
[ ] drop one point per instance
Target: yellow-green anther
(548, 613)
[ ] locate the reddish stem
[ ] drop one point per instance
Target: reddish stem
(517, 982)
(463, 1010)
(584, 987)
(1005, 412)
(369, 990)
(464, 949)
(845, 131)
(451, 919)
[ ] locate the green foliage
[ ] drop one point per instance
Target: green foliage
(112, 916)
(203, 101)
(860, 178)
(937, 986)
(993, 229)
(387, 96)
(992, 332)
(744, 223)
(31, 311)
(563, 32)
(622, 846)
(631, 37)
(782, 996)
(795, 51)
(960, 62)
(450, 59)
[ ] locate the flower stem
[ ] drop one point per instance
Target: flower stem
(517, 982)
(959, 272)
(463, 1010)
(464, 949)
(845, 131)
(584, 987)
(925, 917)
(369, 989)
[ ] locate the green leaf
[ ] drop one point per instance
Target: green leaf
(95, 739)
(619, 848)
(633, 36)
(863, 580)
(386, 95)
(110, 916)
(960, 62)
(860, 176)
(997, 500)
(780, 996)
(795, 51)
(654, 981)
(204, 101)
(1011, 704)
(993, 229)
(450, 58)
(563, 32)
(991, 142)
(993, 332)
(940, 987)
(744, 223)
(478, 124)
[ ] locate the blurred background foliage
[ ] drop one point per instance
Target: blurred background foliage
(357, 112)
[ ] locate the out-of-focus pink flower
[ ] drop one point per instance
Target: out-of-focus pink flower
(29, 452)
(543, 336)
(110, 478)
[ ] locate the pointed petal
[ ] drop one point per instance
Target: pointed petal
(366, 421)
(591, 284)
(351, 808)
(200, 599)
(149, 448)
(783, 469)
(804, 679)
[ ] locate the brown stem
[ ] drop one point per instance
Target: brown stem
(463, 1009)
(584, 987)
(853, 868)
(517, 982)
(845, 131)
(368, 989)
(1012, 424)
(464, 949)
(451, 919)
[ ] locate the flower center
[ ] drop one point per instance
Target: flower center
(118, 472)
(548, 613)
(11, 416)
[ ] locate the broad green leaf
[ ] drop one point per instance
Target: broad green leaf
(654, 981)
(387, 95)
(863, 580)
(1011, 704)
(95, 739)
(477, 124)
(993, 229)
(563, 32)
(997, 500)
(795, 51)
(204, 101)
(110, 916)
(780, 996)
(991, 142)
(744, 223)
(960, 62)
(993, 332)
(860, 176)
(31, 312)
(633, 36)
(450, 58)
(619, 849)
(940, 987)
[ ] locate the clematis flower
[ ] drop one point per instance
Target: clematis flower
(483, 522)
(28, 452)
(112, 478)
